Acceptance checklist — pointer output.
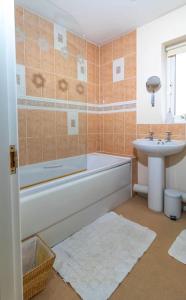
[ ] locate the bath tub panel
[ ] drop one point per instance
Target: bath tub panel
(68, 226)
(48, 207)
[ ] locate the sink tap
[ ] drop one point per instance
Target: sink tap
(168, 136)
(151, 136)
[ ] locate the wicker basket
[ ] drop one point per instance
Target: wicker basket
(38, 260)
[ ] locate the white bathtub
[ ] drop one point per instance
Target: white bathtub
(60, 207)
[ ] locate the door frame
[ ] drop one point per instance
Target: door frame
(10, 238)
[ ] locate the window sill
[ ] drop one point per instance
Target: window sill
(178, 119)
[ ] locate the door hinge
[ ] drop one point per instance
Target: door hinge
(13, 159)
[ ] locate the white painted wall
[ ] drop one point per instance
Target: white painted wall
(151, 61)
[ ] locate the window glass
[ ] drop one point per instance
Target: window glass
(180, 106)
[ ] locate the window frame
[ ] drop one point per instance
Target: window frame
(172, 51)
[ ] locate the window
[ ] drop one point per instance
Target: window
(176, 81)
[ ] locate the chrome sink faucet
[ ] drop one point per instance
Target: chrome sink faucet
(168, 136)
(151, 136)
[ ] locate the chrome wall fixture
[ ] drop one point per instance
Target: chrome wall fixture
(153, 85)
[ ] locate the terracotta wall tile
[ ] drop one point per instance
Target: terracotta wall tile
(91, 72)
(83, 123)
(159, 130)
(93, 143)
(108, 144)
(98, 60)
(101, 123)
(97, 75)
(143, 129)
(31, 88)
(46, 31)
(108, 123)
(34, 123)
(31, 25)
(62, 146)
(65, 66)
(82, 144)
(118, 48)
(119, 123)
(106, 53)
(102, 142)
(119, 144)
(61, 123)
(107, 93)
(48, 90)
(129, 149)
(130, 66)
(22, 151)
(106, 73)
(34, 150)
(20, 44)
(130, 89)
(60, 92)
(71, 66)
(97, 93)
(73, 145)
(130, 123)
(20, 52)
(47, 60)
(71, 43)
(76, 45)
(32, 53)
(129, 43)
(60, 63)
(118, 91)
(19, 17)
(48, 123)
(177, 130)
(93, 123)
(22, 122)
(49, 148)
(122, 47)
(91, 52)
(81, 45)
(74, 85)
(91, 93)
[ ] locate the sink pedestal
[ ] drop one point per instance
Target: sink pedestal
(157, 151)
(156, 182)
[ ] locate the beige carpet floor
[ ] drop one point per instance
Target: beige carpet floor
(156, 276)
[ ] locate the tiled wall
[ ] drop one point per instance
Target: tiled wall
(118, 129)
(43, 136)
(178, 130)
(123, 90)
(43, 131)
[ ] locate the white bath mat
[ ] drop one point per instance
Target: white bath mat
(178, 248)
(98, 257)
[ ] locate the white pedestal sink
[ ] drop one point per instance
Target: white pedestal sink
(156, 151)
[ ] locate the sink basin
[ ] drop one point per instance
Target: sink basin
(159, 148)
(156, 151)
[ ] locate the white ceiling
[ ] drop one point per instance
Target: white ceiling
(101, 20)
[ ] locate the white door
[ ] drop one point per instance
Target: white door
(10, 256)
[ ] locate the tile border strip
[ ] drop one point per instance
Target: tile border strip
(38, 103)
